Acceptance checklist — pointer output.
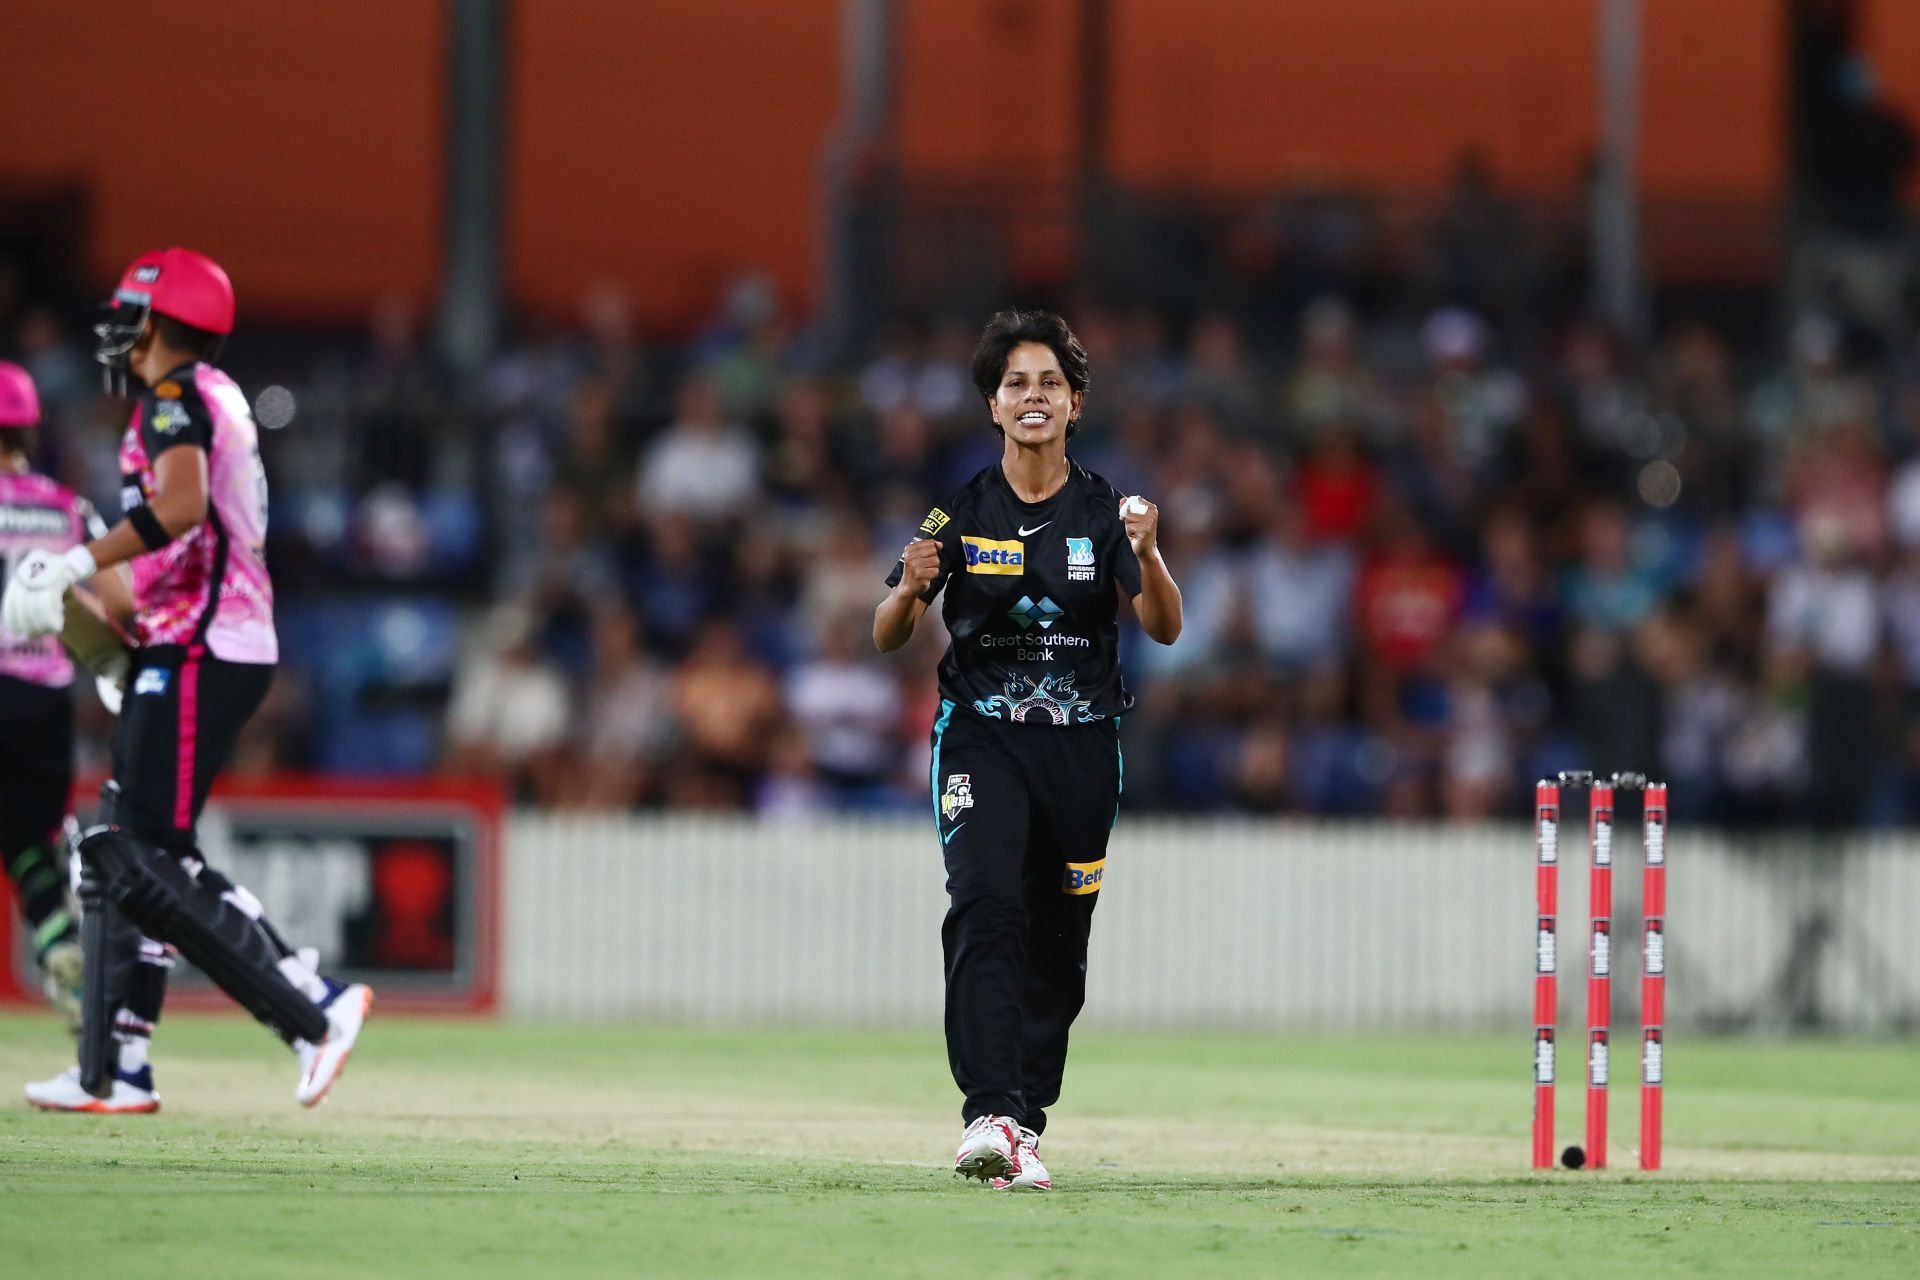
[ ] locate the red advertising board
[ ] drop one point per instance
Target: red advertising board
(396, 884)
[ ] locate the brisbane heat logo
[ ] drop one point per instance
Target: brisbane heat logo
(1080, 564)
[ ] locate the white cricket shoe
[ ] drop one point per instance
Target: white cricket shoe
(987, 1148)
(321, 1064)
(133, 1094)
(63, 973)
(1028, 1173)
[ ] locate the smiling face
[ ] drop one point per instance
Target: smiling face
(1033, 403)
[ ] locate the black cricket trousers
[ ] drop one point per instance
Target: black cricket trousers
(1023, 813)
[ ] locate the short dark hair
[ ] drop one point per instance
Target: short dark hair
(21, 440)
(201, 344)
(1007, 330)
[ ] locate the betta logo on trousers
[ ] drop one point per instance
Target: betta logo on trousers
(1084, 877)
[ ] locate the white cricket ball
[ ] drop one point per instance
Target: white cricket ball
(1135, 506)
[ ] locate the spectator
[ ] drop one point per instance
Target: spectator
(847, 706)
(508, 716)
(592, 464)
(703, 466)
(624, 732)
(1338, 486)
(1298, 591)
(1824, 620)
(730, 707)
(1331, 387)
(1609, 589)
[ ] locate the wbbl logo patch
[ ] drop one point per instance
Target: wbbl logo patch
(170, 417)
(957, 796)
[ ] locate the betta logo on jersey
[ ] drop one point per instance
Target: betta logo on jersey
(1084, 877)
(984, 555)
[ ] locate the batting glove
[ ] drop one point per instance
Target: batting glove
(35, 603)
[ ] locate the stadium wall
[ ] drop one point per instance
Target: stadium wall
(1253, 926)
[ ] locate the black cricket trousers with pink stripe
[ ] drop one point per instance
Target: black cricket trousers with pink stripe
(182, 715)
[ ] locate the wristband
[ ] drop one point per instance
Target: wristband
(80, 562)
(148, 526)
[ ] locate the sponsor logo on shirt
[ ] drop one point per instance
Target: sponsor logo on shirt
(151, 680)
(984, 555)
(1079, 559)
(168, 390)
(936, 521)
(1027, 611)
(35, 520)
(1084, 877)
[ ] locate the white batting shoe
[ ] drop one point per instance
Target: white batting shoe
(987, 1148)
(133, 1094)
(321, 1064)
(1028, 1173)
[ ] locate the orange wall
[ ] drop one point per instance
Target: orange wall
(669, 145)
(298, 143)
(1373, 91)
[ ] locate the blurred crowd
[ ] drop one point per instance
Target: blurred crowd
(1429, 552)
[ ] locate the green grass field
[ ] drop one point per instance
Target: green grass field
(472, 1149)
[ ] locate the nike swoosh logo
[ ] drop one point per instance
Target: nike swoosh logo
(948, 838)
(1028, 533)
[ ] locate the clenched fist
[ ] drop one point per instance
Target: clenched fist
(1142, 520)
(919, 565)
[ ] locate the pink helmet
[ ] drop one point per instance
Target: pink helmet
(188, 286)
(19, 402)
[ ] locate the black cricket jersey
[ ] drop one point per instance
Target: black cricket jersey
(1031, 601)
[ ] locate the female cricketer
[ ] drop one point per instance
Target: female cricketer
(37, 513)
(1034, 554)
(195, 501)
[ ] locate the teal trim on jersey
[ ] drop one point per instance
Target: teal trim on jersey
(939, 730)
